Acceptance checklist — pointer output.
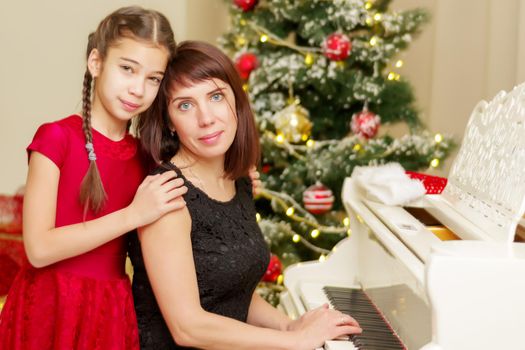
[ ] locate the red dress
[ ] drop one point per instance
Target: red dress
(84, 302)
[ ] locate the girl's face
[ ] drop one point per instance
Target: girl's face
(203, 116)
(127, 79)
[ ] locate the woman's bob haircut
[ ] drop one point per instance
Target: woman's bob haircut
(194, 62)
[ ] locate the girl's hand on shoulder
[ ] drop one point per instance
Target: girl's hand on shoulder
(256, 182)
(156, 196)
(322, 324)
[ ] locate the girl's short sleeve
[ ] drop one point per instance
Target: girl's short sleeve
(50, 140)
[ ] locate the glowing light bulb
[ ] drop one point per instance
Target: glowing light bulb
(378, 16)
(315, 233)
(391, 76)
(279, 138)
(309, 59)
(264, 38)
(290, 211)
(296, 238)
(241, 41)
(438, 138)
(357, 147)
(322, 258)
(373, 41)
(434, 163)
(280, 279)
(258, 217)
(310, 143)
(293, 120)
(346, 221)
(399, 64)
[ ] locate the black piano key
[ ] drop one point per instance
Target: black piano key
(362, 315)
(379, 346)
(367, 339)
(382, 343)
(377, 333)
(377, 337)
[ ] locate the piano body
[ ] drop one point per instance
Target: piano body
(466, 293)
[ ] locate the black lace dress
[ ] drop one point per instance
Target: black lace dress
(230, 257)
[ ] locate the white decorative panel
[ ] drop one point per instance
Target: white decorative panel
(487, 179)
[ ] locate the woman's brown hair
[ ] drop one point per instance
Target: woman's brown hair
(133, 22)
(196, 61)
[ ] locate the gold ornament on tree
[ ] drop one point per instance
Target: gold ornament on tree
(292, 123)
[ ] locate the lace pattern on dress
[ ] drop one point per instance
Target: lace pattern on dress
(230, 257)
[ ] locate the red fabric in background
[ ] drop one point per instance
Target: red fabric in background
(12, 258)
(11, 213)
(12, 255)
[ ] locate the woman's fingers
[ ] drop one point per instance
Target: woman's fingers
(346, 330)
(348, 320)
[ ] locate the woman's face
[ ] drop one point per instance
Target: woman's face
(203, 116)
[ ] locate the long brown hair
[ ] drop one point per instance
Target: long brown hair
(127, 22)
(197, 61)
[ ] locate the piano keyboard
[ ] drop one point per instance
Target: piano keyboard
(377, 333)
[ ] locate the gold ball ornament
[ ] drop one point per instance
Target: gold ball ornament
(293, 123)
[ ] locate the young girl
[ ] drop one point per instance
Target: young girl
(80, 198)
(204, 261)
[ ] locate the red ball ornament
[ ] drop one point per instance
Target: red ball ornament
(365, 124)
(245, 63)
(275, 268)
(318, 199)
(245, 5)
(266, 168)
(337, 46)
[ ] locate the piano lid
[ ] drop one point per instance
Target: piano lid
(485, 183)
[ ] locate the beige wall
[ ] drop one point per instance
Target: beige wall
(42, 62)
(470, 50)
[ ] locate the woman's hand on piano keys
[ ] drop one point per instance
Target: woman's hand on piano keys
(322, 324)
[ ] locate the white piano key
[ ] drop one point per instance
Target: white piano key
(287, 305)
(339, 345)
(312, 295)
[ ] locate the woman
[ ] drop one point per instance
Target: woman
(204, 261)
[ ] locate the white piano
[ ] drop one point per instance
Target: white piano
(423, 292)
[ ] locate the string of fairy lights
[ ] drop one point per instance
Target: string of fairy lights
(282, 201)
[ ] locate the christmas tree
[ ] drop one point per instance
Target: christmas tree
(321, 76)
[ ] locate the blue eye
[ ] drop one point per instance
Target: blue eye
(184, 106)
(217, 97)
